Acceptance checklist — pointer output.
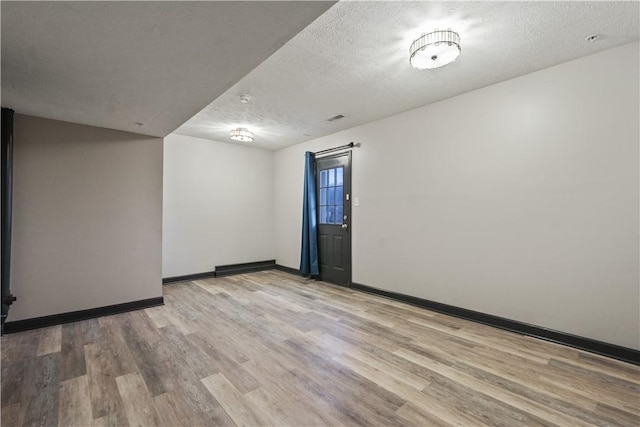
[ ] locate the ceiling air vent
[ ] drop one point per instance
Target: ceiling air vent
(338, 117)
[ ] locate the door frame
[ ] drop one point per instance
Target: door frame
(347, 206)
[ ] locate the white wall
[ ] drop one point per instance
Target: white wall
(218, 205)
(87, 217)
(519, 199)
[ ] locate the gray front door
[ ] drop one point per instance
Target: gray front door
(333, 185)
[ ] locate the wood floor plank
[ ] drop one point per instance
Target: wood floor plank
(143, 344)
(380, 405)
(232, 401)
(91, 331)
(12, 415)
(511, 371)
(280, 413)
(234, 372)
(485, 388)
(174, 316)
(398, 373)
(210, 287)
(418, 416)
(138, 405)
(112, 340)
(51, 340)
(72, 363)
(13, 380)
(105, 397)
(42, 407)
(24, 344)
(343, 405)
(189, 353)
(433, 408)
(158, 316)
(617, 385)
(74, 406)
(201, 403)
(173, 411)
(615, 416)
(577, 409)
(106, 421)
(270, 348)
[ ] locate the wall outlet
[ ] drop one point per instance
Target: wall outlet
(356, 201)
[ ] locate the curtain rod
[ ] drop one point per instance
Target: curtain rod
(342, 147)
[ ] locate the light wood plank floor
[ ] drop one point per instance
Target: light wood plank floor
(270, 348)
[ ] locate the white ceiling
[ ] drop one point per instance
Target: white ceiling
(112, 64)
(354, 60)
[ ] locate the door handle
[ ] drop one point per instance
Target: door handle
(344, 225)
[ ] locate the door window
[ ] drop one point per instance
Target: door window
(331, 195)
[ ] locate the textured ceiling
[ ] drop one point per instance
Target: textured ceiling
(112, 64)
(354, 60)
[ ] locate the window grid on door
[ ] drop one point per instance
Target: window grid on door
(331, 196)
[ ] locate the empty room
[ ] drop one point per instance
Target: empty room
(320, 213)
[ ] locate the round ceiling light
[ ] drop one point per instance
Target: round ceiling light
(434, 49)
(241, 134)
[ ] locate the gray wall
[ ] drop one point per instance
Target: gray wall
(218, 205)
(87, 227)
(519, 199)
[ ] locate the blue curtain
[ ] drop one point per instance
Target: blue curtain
(309, 253)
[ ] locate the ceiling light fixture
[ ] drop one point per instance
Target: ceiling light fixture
(241, 134)
(334, 118)
(434, 49)
(245, 98)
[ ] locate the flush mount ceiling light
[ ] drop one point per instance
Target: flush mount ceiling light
(434, 49)
(242, 135)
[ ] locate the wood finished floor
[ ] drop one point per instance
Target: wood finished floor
(270, 348)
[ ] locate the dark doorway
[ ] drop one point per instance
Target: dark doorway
(333, 185)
